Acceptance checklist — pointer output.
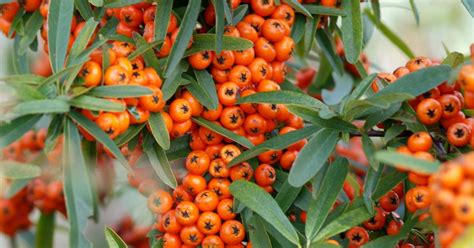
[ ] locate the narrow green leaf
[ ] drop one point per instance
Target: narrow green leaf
(264, 205)
(27, 92)
(77, 187)
(297, 31)
(81, 41)
(320, 206)
(310, 30)
(203, 89)
(224, 132)
(149, 56)
(369, 150)
(184, 35)
(96, 103)
(352, 30)
(258, 233)
(284, 97)
(120, 91)
(344, 222)
(46, 106)
(23, 78)
(15, 170)
(321, 10)
(390, 34)
(342, 88)
(120, 3)
(287, 194)
(371, 181)
(142, 48)
(10, 132)
(381, 115)
(415, 12)
(239, 13)
(453, 59)
(131, 133)
(219, 12)
(99, 135)
(20, 62)
(158, 130)
(407, 162)
(172, 82)
(312, 116)
(97, 3)
(278, 142)
(59, 25)
(84, 9)
(16, 186)
(44, 235)
(113, 240)
(32, 26)
(387, 183)
(162, 17)
(362, 87)
(202, 42)
(418, 82)
(326, 43)
(298, 7)
(313, 156)
(161, 165)
(179, 148)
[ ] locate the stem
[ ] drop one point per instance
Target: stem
(45, 230)
(375, 133)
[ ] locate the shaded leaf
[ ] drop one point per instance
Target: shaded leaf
(184, 35)
(469, 5)
(120, 91)
(204, 89)
(162, 17)
(59, 24)
(414, 9)
(128, 135)
(313, 156)
(96, 103)
(258, 233)
(320, 206)
(298, 7)
(326, 43)
(453, 59)
(352, 30)
(264, 205)
(46, 106)
(223, 131)
(15, 170)
(113, 240)
(82, 40)
(158, 130)
(322, 10)
(202, 42)
(407, 162)
(283, 97)
(239, 13)
(387, 183)
(161, 165)
(10, 132)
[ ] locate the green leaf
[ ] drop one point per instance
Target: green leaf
(113, 240)
(149, 56)
(418, 82)
(161, 165)
(264, 205)
(415, 12)
(97, 3)
(362, 87)
(343, 86)
(239, 13)
(46, 106)
(120, 3)
(99, 135)
(223, 131)
(32, 26)
(381, 115)
(387, 183)
(16, 186)
(204, 89)
(184, 35)
(15, 170)
(369, 150)
(44, 235)
(143, 48)
(407, 162)
(326, 43)
(310, 30)
(313, 156)
(179, 148)
(172, 82)
(287, 194)
(320, 206)
(120, 91)
(220, 23)
(321, 10)
(278, 142)
(59, 26)
(128, 135)
(453, 59)
(23, 78)
(389, 34)
(27, 92)
(10, 132)
(469, 5)
(312, 116)
(83, 38)
(96, 103)
(298, 7)
(162, 17)
(371, 181)
(77, 187)
(84, 9)
(283, 97)
(258, 233)
(352, 30)
(297, 31)
(202, 42)
(344, 222)
(158, 130)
